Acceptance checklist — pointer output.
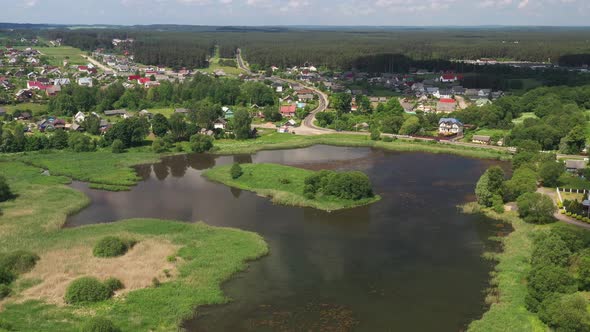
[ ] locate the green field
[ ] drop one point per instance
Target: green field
(56, 55)
(492, 132)
(524, 116)
(203, 257)
(37, 109)
(265, 179)
(214, 65)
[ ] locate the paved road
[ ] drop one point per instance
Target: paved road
(562, 217)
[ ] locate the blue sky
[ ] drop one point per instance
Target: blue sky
(298, 12)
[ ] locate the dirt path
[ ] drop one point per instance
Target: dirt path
(462, 103)
(96, 63)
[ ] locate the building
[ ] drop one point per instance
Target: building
(481, 139)
(450, 127)
(572, 165)
(288, 110)
(446, 105)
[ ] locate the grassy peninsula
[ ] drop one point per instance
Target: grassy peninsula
(284, 184)
(185, 263)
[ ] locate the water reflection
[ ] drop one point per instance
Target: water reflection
(371, 268)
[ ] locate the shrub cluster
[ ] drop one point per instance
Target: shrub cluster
(236, 171)
(346, 185)
(11, 265)
(551, 287)
(112, 246)
(99, 324)
(90, 290)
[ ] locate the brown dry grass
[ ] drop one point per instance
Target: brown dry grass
(136, 269)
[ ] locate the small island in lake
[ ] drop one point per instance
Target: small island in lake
(324, 190)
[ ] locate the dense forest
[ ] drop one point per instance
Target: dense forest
(389, 50)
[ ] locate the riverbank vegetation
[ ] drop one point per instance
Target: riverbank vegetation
(540, 279)
(324, 190)
(189, 261)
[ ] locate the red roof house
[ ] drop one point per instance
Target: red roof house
(288, 110)
(447, 100)
(143, 80)
(134, 77)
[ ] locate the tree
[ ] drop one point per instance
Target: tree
(523, 180)
(550, 171)
(201, 143)
(236, 171)
(81, 143)
(550, 249)
(341, 102)
(543, 281)
(178, 127)
(241, 124)
(59, 140)
(272, 114)
(575, 141)
(375, 134)
(92, 124)
(489, 186)
(411, 126)
(160, 125)
(5, 192)
(353, 185)
(118, 146)
(566, 313)
(392, 123)
(536, 208)
(131, 132)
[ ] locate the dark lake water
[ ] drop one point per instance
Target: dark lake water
(411, 262)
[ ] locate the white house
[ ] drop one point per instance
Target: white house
(85, 81)
(450, 127)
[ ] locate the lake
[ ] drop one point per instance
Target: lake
(410, 262)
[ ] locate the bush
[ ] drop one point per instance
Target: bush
(159, 145)
(19, 261)
(114, 284)
(6, 276)
(5, 192)
(349, 185)
(4, 291)
(387, 139)
(99, 324)
(566, 313)
(544, 281)
(201, 143)
(569, 214)
(536, 208)
(111, 246)
(87, 290)
(81, 143)
(284, 181)
(117, 146)
(236, 171)
(375, 134)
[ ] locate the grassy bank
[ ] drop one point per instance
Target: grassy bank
(508, 313)
(202, 257)
(275, 141)
(284, 184)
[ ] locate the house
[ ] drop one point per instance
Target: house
(432, 91)
(35, 85)
(305, 97)
(121, 112)
(288, 110)
(446, 105)
(288, 100)
(575, 165)
(220, 124)
(481, 139)
(484, 93)
(145, 113)
(448, 78)
(61, 81)
(227, 113)
(471, 92)
(52, 90)
(79, 117)
(85, 81)
(482, 102)
(25, 116)
(75, 127)
(450, 127)
(458, 90)
(133, 77)
(143, 80)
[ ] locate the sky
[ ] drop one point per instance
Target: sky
(299, 12)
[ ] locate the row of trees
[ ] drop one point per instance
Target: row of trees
(346, 185)
(202, 92)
